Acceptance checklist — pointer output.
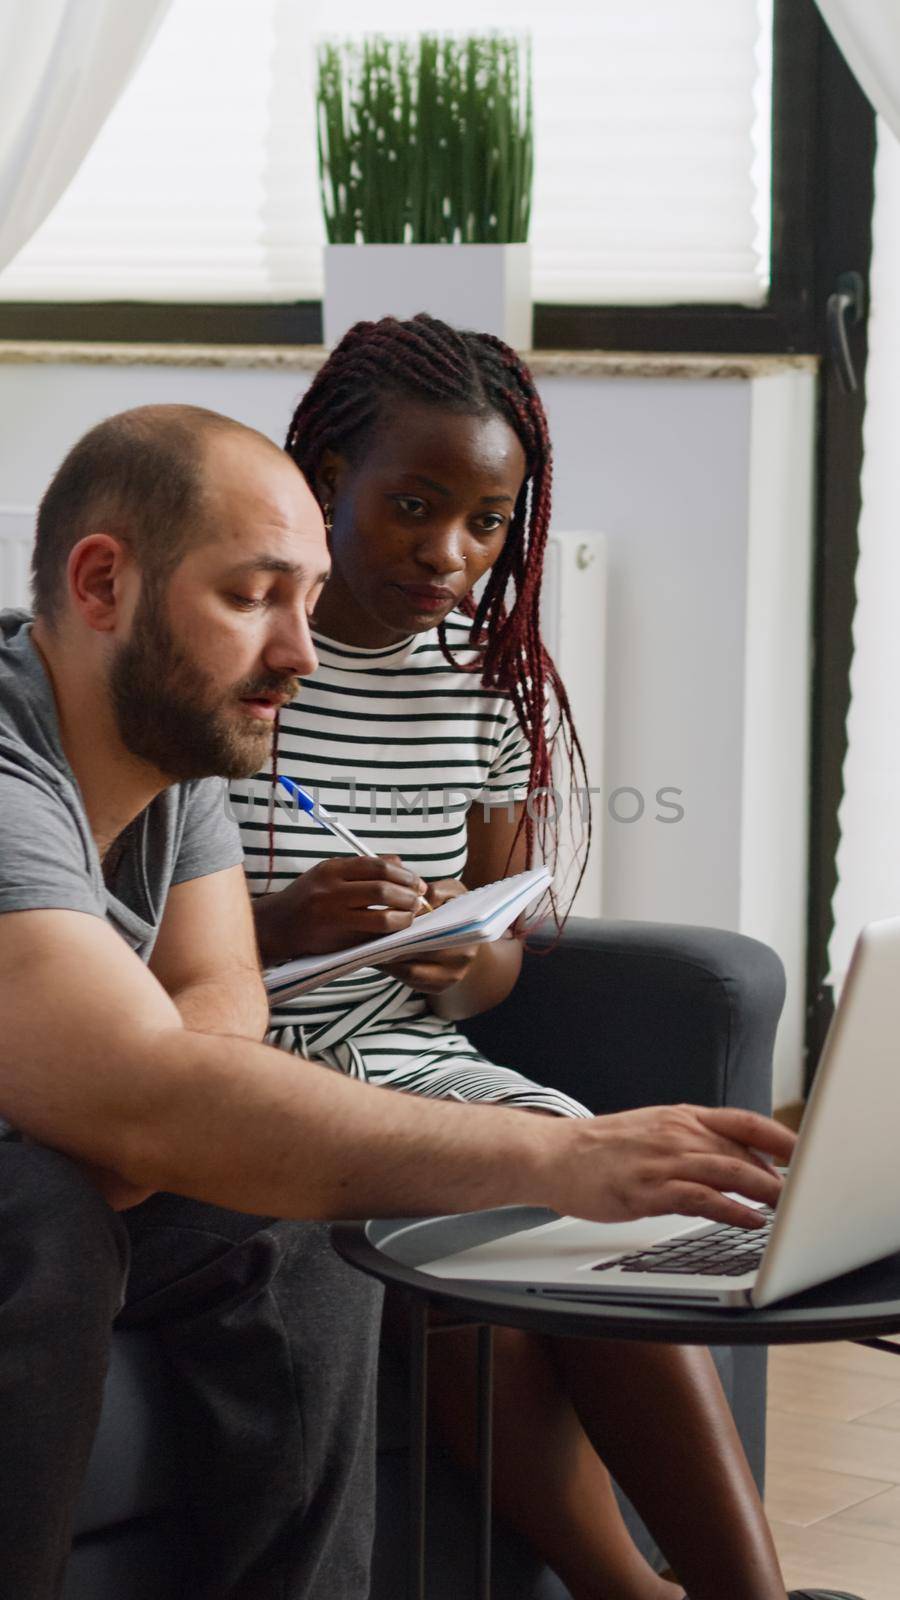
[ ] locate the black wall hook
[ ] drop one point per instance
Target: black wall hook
(845, 307)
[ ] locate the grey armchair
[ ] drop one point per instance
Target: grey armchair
(619, 1015)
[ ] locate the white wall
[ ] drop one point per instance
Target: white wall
(672, 471)
(705, 493)
(777, 672)
(661, 466)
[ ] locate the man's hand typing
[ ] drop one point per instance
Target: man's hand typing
(663, 1159)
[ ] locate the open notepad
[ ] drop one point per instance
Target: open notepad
(472, 918)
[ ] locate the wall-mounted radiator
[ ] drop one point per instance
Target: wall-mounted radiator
(573, 615)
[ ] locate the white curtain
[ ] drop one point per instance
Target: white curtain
(63, 65)
(867, 33)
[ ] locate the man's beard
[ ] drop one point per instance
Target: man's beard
(172, 714)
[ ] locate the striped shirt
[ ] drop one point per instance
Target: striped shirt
(399, 745)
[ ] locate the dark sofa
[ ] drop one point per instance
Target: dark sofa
(619, 1015)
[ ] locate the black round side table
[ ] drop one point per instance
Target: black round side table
(862, 1306)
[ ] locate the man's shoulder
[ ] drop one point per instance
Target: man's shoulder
(203, 823)
(27, 709)
(16, 649)
(47, 858)
(193, 794)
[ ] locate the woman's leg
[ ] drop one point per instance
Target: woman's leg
(658, 1418)
(566, 1410)
(549, 1482)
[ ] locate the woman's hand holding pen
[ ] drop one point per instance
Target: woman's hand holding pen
(336, 904)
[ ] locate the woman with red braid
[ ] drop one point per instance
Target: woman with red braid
(431, 719)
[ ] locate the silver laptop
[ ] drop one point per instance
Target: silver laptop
(839, 1209)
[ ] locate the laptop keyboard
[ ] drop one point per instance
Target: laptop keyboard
(720, 1251)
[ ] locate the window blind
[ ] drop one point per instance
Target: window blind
(652, 130)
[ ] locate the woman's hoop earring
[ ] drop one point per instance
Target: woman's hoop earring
(328, 517)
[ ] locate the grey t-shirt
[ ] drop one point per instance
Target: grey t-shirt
(48, 857)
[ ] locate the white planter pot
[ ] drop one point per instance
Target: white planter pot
(486, 287)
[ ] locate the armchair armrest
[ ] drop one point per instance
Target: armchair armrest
(624, 1014)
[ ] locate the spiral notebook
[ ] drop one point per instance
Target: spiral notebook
(473, 918)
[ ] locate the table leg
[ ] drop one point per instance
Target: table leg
(485, 1457)
(418, 1441)
(880, 1344)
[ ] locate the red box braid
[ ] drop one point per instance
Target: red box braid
(474, 373)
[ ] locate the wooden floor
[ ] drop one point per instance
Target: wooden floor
(833, 1493)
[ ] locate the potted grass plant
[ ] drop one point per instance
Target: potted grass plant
(426, 158)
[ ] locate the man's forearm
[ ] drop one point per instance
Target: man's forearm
(248, 1127)
(241, 1125)
(235, 1005)
(98, 1064)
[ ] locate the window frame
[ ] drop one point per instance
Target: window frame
(783, 325)
(844, 193)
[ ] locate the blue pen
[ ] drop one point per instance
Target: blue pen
(326, 820)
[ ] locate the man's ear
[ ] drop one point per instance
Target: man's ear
(96, 568)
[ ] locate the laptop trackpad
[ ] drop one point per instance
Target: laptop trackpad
(561, 1251)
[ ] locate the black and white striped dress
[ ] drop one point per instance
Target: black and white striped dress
(399, 745)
